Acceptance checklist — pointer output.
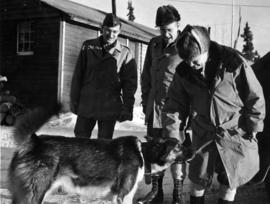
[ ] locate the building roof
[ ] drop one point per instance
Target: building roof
(95, 17)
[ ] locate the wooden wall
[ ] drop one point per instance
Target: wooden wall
(73, 37)
(33, 78)
(48, 72)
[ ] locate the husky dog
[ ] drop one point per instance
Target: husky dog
(104, 169)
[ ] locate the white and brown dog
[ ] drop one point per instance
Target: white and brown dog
(109, 170)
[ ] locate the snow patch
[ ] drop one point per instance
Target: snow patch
(68, 120)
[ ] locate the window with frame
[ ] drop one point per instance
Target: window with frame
(25, 41)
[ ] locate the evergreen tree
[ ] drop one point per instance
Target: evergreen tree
(248, 48)
(256, 56)
(130, 14)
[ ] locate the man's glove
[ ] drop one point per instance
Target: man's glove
(125, 114)
(187, 142)
(251, 136)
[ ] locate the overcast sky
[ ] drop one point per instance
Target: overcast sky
(214, 13)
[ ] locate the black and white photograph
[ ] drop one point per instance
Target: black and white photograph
(134, 101)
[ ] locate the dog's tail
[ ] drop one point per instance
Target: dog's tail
(31, 121)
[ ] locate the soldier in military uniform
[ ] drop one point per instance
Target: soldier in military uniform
(104, 82)
(159, 67)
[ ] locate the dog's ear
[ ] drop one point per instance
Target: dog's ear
(148, 138)
(160, 140)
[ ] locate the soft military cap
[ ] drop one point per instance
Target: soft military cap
(193, 41)
(111, 20)
(166, 15)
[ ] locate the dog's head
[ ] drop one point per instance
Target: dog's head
(175, 152)
(161, 153)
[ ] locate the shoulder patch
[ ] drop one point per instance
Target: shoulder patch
(85, 44)
(91, 44)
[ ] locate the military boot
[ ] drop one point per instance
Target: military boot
(155, 196)
(196, 200)
(177, 192)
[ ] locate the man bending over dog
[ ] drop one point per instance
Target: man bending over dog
(104, 82)
(227, 106)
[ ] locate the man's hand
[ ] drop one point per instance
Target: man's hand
(182, 135)
(187, 142)
(125, 115)
(252, 136)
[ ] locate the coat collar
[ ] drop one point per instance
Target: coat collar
(118, 46)
(98, 49)
(215, 63)
(162, 51)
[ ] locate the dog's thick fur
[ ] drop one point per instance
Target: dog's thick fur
(108, 170)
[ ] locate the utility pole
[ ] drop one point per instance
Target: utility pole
(239, 27)
(114, 7)
(232, 25)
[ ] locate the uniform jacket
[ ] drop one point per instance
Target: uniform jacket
(159, 68)
(223, 113)
(103, 84)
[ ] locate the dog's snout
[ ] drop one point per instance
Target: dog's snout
(179, 147)
(185, 154)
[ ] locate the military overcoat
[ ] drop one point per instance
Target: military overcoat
(224, 113)
(159, 68)
(103, 83)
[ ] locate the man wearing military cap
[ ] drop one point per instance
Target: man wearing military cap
(159, 67)
(104, 82)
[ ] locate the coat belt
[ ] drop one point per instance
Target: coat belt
(218, 129)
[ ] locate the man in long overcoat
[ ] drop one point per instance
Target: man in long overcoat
(104, 82)
(160, 63)
(216, 86)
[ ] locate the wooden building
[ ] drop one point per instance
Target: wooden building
(40, 41)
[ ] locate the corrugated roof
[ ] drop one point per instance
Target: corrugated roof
(94, 17)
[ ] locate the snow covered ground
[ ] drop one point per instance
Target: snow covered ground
(65, 122)
(68, 120)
